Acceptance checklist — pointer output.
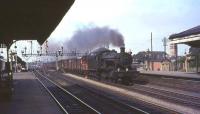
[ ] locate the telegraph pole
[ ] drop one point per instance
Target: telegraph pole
(31, 47)
(151, 43)
(151, 52)
(46, 46)
(165, 45)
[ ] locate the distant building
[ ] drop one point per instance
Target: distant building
(158, 65)
(155, 60)
(140, 57)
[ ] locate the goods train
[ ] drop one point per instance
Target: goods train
(101, 64)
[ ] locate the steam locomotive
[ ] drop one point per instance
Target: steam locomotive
(101, 64)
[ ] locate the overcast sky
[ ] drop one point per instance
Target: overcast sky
(134, 19)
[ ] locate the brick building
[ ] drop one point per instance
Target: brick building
(155, 60)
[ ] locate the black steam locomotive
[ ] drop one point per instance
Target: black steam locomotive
(101, 64)
(110, 65)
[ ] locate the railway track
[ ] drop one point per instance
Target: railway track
(178, 98)
(181, 98)
(99, 101)
(172, 96)
(69, 103)
(187, 100)
(180, 84)
(171, 77)
(145, 106)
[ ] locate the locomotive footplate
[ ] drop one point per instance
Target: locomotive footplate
(125, 77)
(133, 74)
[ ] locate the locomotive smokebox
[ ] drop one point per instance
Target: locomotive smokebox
(122, 49)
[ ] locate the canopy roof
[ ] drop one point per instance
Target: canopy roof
(192, 31)
(190, 37)
(30, 19)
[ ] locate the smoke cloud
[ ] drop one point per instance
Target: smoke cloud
(87, 39)
(94, 37)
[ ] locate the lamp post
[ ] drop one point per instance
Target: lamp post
(58, 53)
(147, 56)
(186, 62)
(25, 50)
(57, 61)
(40, 50)
(15, 56)
(62, 56)
(46, 46)
(37, 61)
(62, 50)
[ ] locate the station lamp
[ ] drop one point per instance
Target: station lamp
(56, 54)
(59, 52)
(62, 50)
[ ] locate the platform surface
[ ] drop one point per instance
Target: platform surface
(173, 74)
(29, 97)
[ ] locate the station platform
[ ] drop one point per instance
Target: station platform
(173, 74)
(28, 97)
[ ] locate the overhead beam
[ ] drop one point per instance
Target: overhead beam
(186, 39)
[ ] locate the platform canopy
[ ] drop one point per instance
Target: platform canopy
(30, 19)
(190, 37)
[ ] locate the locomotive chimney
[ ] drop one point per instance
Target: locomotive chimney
(122, 49)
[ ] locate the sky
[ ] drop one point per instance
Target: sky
(134, 19)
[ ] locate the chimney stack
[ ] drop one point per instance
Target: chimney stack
(122, 50)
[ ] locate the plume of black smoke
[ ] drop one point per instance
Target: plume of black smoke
(93, 37)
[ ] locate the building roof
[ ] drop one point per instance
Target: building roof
(190, 37)
(30, 19)
(192, 31)
(156, 56)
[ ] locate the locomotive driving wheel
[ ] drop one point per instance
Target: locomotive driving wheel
(126, 80)
(111, 76)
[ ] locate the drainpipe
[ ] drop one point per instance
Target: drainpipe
(197, 62)
(9, 64)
